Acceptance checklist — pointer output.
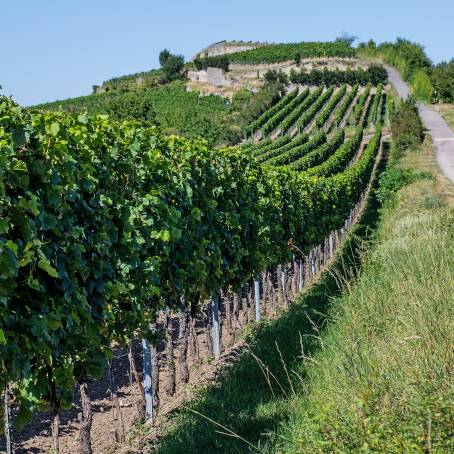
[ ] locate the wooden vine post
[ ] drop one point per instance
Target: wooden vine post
(206, 311)
(139, 403)
(236, 315)
(86, 419)
(283, 284)
(216, 326)
(183, 339)
(257, 299)
(55, 403)
(171, 383)
(331, 245)
(155, 377)
(150, 375)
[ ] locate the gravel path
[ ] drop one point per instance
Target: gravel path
(442, 134)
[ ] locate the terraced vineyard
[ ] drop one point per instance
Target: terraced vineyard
(306, 125)
(125, 229)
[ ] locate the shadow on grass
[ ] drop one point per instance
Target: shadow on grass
(242, 399)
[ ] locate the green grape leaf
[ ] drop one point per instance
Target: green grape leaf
(82, 118)
(12, 246)
(48, 268)
(54, 129)
(2, 337)
(4, 225)
(19, 166)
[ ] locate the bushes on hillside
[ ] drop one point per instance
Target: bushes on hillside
(246, 105)
(219, 61)
(374, 75)
(171, 65)
(272, 76)
(406, 125)
(405, 55)
(407, 130)
(132, 82)
(429, 83)
(422, 86)
(442, 78)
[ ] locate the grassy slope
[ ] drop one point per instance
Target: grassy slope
(384, 380)
(378, 373)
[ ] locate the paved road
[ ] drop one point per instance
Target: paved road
(442, 134)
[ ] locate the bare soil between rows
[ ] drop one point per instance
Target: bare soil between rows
(36, 437)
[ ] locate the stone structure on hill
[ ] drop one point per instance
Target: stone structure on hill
(227, 47)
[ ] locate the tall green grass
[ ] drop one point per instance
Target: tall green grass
(384, 379)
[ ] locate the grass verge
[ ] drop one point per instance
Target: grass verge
(384, 379)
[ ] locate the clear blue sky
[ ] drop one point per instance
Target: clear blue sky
(55, 49)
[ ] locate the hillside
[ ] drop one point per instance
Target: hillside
(263, 269)
(230, 98)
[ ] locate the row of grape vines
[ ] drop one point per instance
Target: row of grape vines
(318, 109)
(106, 226)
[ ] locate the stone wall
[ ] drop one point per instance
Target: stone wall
(222, 50)
(212, 76)
(227, 47)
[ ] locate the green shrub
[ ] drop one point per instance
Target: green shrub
(443, 81)
(422, 85)
(406, 126)
(392, 180)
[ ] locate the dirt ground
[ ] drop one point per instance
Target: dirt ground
(36, 437)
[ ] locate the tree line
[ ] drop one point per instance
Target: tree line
(431, 83)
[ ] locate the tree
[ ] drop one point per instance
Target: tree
(443, 81)
(172, 67)
(315, 77)
(271, 76)
(346, 38)
(298, 58)
(350, 77)
(198, 63)
(377, 74)
(163, 56)
(339, 77)
(326, 77)
(294, 77)
(304, 77)
(282, 77)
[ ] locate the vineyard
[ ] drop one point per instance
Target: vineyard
(175, 110)
(112, 232)
(276, 53)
